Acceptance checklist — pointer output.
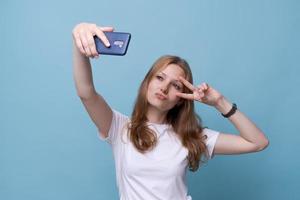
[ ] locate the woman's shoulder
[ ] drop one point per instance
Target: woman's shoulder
(208, 133)
(120, 116)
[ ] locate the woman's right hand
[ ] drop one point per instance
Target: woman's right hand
(83, 36)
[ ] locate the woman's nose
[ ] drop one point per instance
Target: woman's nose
(164, 88)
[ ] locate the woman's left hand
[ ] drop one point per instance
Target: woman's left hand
(202, 93)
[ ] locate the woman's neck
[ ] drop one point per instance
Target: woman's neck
(156, 116)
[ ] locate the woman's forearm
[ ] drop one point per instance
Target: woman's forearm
(247, 129)
(82, 73)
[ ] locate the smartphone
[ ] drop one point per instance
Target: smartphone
(119, 42)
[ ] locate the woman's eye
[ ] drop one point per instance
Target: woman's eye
(159, 77)
(177, 87)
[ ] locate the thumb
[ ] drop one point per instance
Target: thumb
(107, 28)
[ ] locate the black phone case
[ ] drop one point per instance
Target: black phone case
(119, 42)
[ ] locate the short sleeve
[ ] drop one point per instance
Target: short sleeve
(117, 124)
(210, 141)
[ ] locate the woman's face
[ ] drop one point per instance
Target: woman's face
(163, 87)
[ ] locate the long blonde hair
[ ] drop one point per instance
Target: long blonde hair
(182, 117)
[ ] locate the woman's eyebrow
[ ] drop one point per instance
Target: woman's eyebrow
(176, 80)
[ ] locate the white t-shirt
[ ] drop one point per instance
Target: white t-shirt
(156, 175)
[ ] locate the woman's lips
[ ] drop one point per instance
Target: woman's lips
(160, 96)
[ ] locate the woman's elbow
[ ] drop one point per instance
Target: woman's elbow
(263, 145)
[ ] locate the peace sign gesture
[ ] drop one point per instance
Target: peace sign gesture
(202, 93)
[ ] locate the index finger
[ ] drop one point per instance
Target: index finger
(187, 84)
(102, 37)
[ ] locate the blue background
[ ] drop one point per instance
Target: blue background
(248, 50)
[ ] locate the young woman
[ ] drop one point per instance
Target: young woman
(163, 137)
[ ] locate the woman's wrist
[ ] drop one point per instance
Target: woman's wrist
(223, 105)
